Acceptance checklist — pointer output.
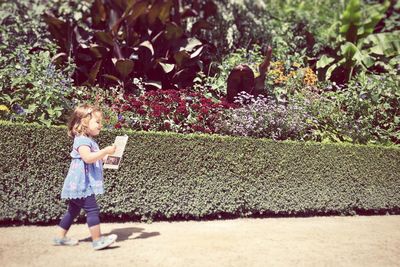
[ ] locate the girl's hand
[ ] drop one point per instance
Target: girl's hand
(91, 157)
(110, 149)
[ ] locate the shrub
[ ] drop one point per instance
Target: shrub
(171, 176)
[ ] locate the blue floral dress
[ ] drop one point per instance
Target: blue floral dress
(83, 179)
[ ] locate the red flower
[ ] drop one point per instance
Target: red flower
(198, 128)
(125, 108)
(205, 101)
(167, 125)
(141, 111)
(156, 113)
(117, 125)
(195, 106)
(176, 120)
(204, 110)
(181, 110)
(151, 93)
(168, 100)
(136, 104)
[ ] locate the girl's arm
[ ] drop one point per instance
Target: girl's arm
(92, 157)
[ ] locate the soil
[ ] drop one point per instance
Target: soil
(314, 241)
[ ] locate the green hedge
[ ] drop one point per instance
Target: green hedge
(173, 176)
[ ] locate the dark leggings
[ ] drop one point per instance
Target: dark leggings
(89, 204)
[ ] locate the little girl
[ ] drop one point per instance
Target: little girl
(85, 177)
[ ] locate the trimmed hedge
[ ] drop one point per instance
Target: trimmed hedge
(173, 176)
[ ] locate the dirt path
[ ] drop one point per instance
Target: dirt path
(317, 241)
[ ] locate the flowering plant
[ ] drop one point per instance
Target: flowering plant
(263, 117)
(180, 111)
(33, 89)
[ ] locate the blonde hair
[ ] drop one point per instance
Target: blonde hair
(80, 118)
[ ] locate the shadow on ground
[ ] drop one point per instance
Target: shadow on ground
(125, 234)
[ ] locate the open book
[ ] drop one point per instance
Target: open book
(113, 161)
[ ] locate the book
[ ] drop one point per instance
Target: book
(113, 161)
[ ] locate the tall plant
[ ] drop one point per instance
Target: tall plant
(360, 47)
(128, 39)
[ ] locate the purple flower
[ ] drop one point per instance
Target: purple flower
(18, 109)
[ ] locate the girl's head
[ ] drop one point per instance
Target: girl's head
(86, 120)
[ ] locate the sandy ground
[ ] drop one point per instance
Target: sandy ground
(317, 241)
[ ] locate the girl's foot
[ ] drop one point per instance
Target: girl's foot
(65, 241)
(104, 241)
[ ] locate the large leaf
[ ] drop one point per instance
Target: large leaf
(165, 11)
(197, 52)
(104, 37)
(154, 11)
(99, 14)
(156, 84)
(351, 18)
(190, 44)
(348, 50)
(210, 9)
(59, 29)
(98, 51)
(148, 45)
(93, 72)
(111, 77)
(330, 70)
(386, 43)
(173, 31)
(324, 61)
(167, 68)
(180, 57)
(124, 67)
(374, 14)
(199, 25)
(138, 9)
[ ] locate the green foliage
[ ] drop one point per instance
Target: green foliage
(122, 40)
(366, 111)
(20, 24)
(171, 176)
(237, 25)
(242, 24)
(32, 87)
(360, 47)
(392, 19)
(373, 102)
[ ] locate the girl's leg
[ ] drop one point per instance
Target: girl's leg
(92, 217)
(95, 232)
(93, 221)
(68, 219)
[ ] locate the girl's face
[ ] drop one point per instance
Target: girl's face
(95, 125)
